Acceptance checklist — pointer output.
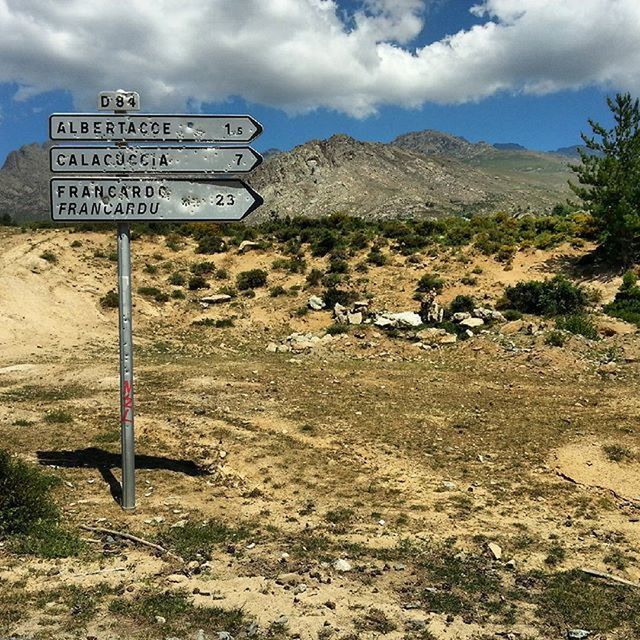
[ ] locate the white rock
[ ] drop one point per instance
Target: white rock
(495, 549)
(471, 323)
(316, 303)
(218, 298)
(177, 578)
(459, 316)
(450, 338)
(272, 347)
(342, 565)
(248, 245)
(354, 318)
(160, 620)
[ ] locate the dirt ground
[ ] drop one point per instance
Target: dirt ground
(403, 463)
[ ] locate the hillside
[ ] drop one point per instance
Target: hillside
(420, 174)
(524, 175)
(311, 478)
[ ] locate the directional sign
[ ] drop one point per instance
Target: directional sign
(148, 200)
(153, 159)
(143, 127)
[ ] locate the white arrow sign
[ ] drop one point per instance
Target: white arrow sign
(148, 200)
(153, 128)
(153, 159)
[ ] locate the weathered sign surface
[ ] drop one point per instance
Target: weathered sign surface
(141, 127)
(149, 200)
(153, 159)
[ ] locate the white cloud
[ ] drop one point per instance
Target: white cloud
(303, 54)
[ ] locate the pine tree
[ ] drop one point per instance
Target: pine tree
(609, 176)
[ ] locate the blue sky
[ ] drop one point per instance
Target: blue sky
(541, 107)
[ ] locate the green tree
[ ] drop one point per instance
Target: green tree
(609, 176)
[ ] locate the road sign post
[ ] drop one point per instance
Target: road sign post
(110, 194)
(126, 368)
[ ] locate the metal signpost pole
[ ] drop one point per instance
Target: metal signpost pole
(126, 368)
(127, 433)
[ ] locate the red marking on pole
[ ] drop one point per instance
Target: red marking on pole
(127, 403)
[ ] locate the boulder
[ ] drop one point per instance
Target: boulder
(340, 313)
(316, 303)
(472, 323)
(354, 317)
(404, 319)
(450, 338)
(218, 298)
(460, 316)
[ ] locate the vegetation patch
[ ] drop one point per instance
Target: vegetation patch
(557, 296)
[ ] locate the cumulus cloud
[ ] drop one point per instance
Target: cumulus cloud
(303, 54)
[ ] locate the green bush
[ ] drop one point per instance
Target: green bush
(546, 297)
(314, 277)
(177, 279)
(110, 300)
(148, 291)
(626, 304)
(58, 416)
(338, 265)
(202, 268)
(555, 338)
(377, 258)
(430, 281)
(150, 268)
(512, 314)
(178, 294)
(29, 516)
(277, 291)
(49, 256)
(252, 279)
(333, 296)
(197, 282)
(578, 324)
(210, 244)
(462, 303)
(337, 329)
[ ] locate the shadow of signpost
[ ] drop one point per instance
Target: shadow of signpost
(105, 461)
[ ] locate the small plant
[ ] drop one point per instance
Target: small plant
(150, 268)
(618, 453)
(314, 277)
(277, 291)
(58, 416)
(197, 282)
(549, 297)
(202, 268)
(512, 314)
(377, 258)
(337, 329)
(338, 265)
(429, 282)
(333, 296)
(110, 300)
(218, 323)
(174, 242)
(221, 274)
(76, 243)
(49, 256)
(462, 303)
(150, 292)
(626, 304)
(251, 279)
(210, 244)
(177, 279)
(178, 294)
(578, 324)
(555, 338)
(556, 556)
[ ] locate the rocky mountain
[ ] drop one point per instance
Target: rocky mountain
(24, 184)
(424, 173)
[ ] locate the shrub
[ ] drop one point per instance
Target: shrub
(337, 329)
(222, 274)
(555, 338)
(57, 416)
(210, 244)
(251, 279)
(338, 265)
(578, 324)
(277, 291)
(430, 281)
(177, 279)
(28, 514)
(174, 242)
(333, 296)
(462, 303)
(49, 256)
(202, 268)
(110, 300)
(377, 258)
(221, 323)
(161, 296)
(626, 304)
(549, 297)
(150, 268)
(76, 243)
(150, 292)
(512, 314)
(197, 282)
(178, 294)
(228, 291)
